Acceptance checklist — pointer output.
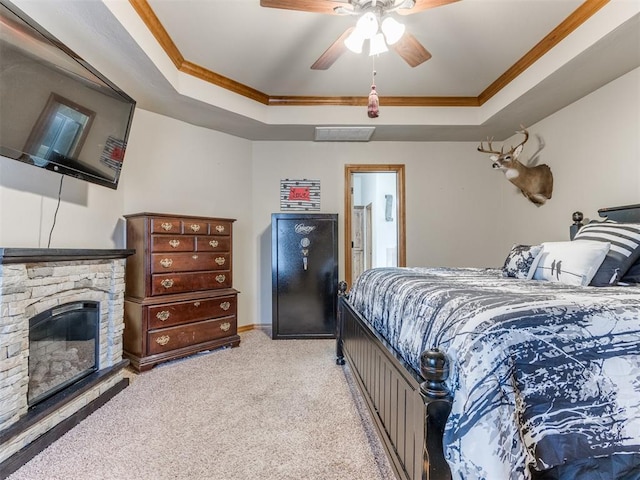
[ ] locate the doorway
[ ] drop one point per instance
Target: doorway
(374, 218)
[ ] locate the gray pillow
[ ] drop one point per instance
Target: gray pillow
(633, 274)
(625, 249)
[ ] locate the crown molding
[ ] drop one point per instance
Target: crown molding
(564, 29)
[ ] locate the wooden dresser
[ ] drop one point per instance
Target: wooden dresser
(179, 298)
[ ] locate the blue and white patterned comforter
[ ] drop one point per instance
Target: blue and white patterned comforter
(542, 373)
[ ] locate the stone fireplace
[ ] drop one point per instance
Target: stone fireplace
(34, 283)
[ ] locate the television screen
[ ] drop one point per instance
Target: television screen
(56, 111)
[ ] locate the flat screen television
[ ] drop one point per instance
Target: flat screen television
(56, 111)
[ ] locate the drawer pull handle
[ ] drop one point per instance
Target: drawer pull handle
(166, 226)
(220, 228)
(195, 227)
(225, 306)
(163, 340)
(166, 262)
(213, 243)
(167, 283)
(196, 304)
(174, 243)
(225, 326)
(195, 257)
(163, 315)
(220, 261)
(220, 278)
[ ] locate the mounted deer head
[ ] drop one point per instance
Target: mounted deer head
(535, 183)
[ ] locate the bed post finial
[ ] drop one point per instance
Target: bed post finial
(342, 293)
(434, 367)
(577, 218)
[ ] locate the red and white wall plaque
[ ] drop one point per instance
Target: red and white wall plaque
(299, 195)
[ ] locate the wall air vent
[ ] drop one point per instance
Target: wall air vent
(344, 134)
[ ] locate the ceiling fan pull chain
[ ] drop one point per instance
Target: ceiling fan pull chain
(373, 66)
(373, 106)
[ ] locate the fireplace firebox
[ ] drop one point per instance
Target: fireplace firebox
(63, 348)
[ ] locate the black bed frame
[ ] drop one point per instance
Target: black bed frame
(410, 408)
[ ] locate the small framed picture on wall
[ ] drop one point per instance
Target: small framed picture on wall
(299, 195)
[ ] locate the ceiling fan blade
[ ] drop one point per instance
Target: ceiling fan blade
(424, 5)
(332, 53)
(411, 50)
(315, 6)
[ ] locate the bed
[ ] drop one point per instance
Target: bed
(474, 373)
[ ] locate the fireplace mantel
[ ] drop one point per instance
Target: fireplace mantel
(31, 255)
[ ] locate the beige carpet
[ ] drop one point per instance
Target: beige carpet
(266, 410)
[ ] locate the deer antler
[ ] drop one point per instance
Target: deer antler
(491, 150)
(526, 137)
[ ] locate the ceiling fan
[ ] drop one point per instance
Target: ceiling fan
(407, 46)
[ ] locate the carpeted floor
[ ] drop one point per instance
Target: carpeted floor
(266, 410)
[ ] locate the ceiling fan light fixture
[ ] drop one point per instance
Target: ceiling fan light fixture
(367, 25)
(354, 42)
(377, 45)
(392, 29)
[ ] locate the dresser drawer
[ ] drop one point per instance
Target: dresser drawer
(172, 338)
(166, 225)
(193, 227)
(213, 244)
(172, 243)
(188, 262)
(186, 282)
(170, 314)
(220, 228)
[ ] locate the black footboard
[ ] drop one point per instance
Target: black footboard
(408, 409)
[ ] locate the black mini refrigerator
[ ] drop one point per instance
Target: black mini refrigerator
(304, 273)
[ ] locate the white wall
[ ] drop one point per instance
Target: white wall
(88, 217)
(460, 212)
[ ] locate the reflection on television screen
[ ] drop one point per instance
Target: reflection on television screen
(56, 111)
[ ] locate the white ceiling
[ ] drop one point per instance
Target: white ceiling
(272, 50)
(473, 42)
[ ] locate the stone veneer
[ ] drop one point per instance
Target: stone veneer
(35, 280)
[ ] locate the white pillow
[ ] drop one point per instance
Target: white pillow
(571, 263)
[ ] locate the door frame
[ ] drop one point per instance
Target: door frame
(368, 235)
(373, 168)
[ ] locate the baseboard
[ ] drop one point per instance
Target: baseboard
(255, 326)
